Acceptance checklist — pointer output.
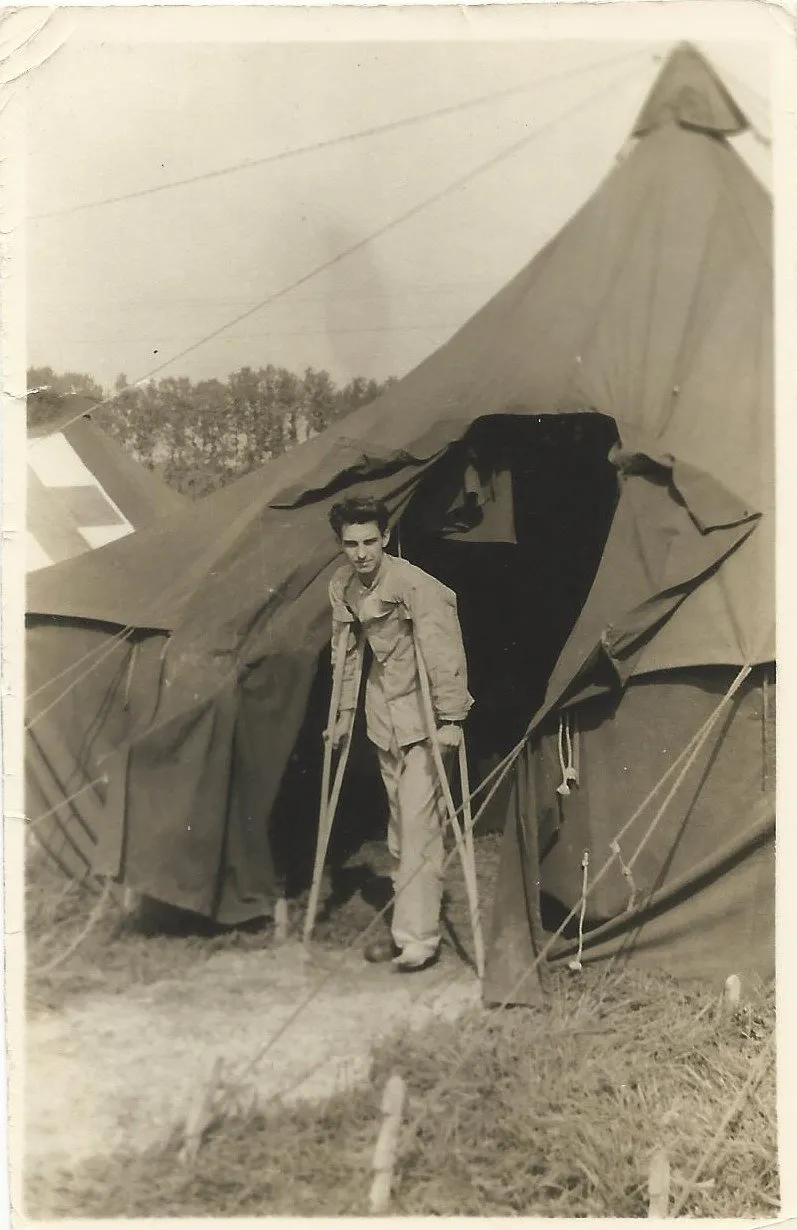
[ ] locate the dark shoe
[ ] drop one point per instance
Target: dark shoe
(381, 950)
(407, 967)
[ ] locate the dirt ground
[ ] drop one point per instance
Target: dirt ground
(111, 1070)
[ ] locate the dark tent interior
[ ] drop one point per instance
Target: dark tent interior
(514, 518)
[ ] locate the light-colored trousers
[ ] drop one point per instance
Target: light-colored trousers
(415, 840)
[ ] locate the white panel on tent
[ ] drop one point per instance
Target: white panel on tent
(69, 511)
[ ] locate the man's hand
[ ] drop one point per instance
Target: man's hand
(449, 735)
(342, 729)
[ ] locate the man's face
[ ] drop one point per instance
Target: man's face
(364, 546)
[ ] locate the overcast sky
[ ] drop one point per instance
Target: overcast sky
(122, 287)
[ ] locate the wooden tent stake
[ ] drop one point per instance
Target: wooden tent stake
(659, 1185)
(281, 920)
(384, 1160)
(732, 993)
(200, 1113)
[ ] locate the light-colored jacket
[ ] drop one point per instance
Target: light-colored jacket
(404, 603)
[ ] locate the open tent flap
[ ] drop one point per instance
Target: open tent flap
(552, 480)
(540, 494)
(596, 568)
(549, 479)
(517, 599)
(657, 553)
(252, 755)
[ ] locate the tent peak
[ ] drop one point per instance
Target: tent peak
(688, 92)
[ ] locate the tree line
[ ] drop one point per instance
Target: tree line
(199, 436)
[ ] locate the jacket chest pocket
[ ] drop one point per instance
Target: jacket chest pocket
(388, 628)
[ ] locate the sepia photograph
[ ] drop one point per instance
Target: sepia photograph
(392, 504)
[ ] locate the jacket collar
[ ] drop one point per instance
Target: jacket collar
(354, 586)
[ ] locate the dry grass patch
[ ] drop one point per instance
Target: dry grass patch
(552, 1111)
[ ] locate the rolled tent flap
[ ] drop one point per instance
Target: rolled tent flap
(378, 452)
(349, 461)
(711, 505)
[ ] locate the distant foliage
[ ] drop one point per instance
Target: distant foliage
(50, 395)
(200, 436)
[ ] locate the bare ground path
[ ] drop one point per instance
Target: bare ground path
(113, 1070)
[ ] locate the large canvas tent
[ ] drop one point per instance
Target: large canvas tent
(589, 462)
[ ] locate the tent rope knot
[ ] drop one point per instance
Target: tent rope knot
(575, 964)
(628, 876)
(567, 738)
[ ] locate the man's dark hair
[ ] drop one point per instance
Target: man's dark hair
(358, 510)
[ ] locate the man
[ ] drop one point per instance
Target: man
(396, 606)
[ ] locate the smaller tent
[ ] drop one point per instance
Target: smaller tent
(85, 491)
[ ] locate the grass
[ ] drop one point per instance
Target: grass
(536, 1112)
(546, 1111)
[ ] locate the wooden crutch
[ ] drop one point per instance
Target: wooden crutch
(329, 803)
(464, 843)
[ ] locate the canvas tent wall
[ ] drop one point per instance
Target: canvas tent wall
(83, 491)
(651, 312)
